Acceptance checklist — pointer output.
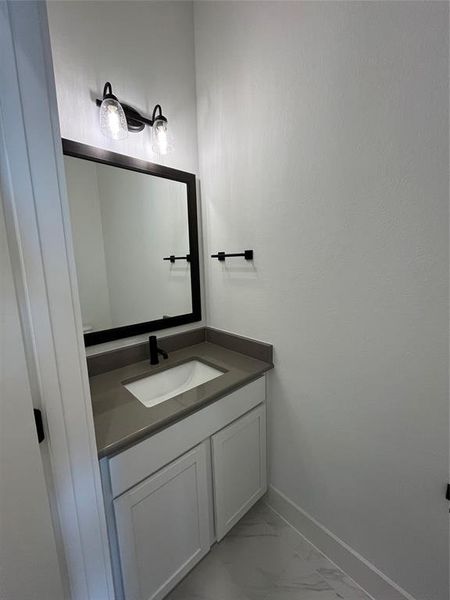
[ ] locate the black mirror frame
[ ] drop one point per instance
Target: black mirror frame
(78, 150)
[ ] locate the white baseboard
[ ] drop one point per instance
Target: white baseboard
(366, 575)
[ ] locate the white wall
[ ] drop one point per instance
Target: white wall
(324, 147)
(146, 50)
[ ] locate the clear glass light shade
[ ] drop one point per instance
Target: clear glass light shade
(113, 123)
(161, 142)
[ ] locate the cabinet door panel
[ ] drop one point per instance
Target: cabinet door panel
(163, 527)
(239, 468)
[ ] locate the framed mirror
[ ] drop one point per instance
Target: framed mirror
(135, 235)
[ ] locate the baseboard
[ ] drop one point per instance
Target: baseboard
(366, 575)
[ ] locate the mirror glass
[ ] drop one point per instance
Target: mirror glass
(124, 224)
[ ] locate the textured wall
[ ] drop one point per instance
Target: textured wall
(323, 147)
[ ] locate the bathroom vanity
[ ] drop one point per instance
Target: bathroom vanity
(182, 443)
(179, 474)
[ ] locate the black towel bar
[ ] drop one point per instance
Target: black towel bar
(247, 254)
(173, 258)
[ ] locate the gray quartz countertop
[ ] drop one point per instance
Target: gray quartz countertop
(121, 420)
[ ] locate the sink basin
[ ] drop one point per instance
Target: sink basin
(164, 385)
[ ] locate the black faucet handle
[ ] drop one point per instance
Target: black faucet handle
(163, 353)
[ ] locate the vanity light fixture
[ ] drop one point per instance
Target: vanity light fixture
(117, 119)
(113, 123)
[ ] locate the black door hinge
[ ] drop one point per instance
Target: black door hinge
(447, 494)
(39, 425)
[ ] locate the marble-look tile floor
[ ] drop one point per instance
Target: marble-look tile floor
(263, 558)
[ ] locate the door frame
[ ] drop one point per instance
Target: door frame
(39, 240)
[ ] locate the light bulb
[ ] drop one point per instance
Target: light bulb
(113, 123)
(161, 143)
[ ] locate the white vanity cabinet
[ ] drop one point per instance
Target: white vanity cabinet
(169, 497)
(163, 526)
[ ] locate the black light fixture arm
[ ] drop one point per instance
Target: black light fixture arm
(157, 114)
(107, 91)
(135, 121)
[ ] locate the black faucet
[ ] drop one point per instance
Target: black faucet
(155, 351)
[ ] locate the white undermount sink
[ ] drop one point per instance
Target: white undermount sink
(166, 384)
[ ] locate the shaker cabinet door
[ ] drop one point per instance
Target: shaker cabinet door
(163, 526)
(239, 468)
